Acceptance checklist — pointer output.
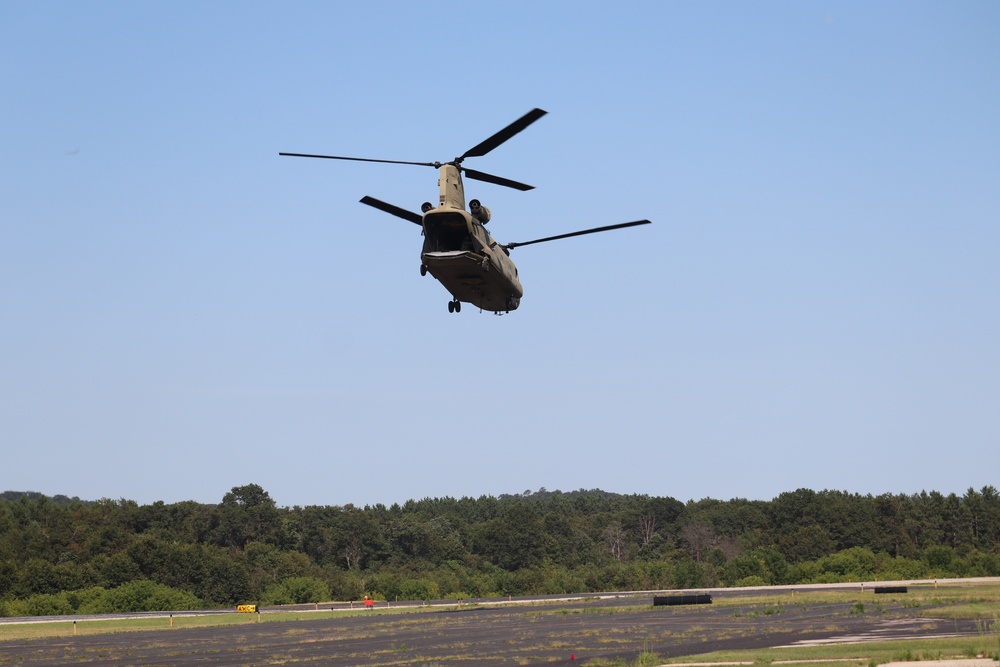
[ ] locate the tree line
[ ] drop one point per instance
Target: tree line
(62, 555)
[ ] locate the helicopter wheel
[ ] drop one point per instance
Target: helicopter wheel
(423, 269)
(458, 306)
(451, 306)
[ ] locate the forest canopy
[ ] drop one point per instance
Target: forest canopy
(62, 555)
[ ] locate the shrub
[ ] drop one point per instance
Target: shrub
(45, 604)
(938, 557)
(144, 595)
(418, 589)
(297, 590)
(752, 580)
(857, 563)
(306, 589)
(276, 594)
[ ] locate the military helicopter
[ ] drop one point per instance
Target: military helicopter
(457, 250)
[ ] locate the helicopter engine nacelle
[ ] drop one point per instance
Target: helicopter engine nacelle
(479, 212)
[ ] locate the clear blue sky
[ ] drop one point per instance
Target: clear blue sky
(816, 304)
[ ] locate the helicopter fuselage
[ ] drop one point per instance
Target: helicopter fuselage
(460, 253)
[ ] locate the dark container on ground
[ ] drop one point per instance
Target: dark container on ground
(701, 598)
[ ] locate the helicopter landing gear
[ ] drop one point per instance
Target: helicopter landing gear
(455, 306)
(423, 269)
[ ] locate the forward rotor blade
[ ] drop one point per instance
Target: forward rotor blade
(504, 134)
(498, 180)
(581, 233)
(392, 209)
(361, 159)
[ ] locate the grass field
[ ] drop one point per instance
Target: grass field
(867, 654)
(87, 628)
(980, 600)
(954, 601)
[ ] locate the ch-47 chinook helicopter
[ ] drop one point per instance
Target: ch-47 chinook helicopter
(458, 250)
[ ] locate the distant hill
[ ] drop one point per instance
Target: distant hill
(540, 494)
(543, 494)
(35, 495)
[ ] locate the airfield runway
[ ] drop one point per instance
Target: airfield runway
(532, 634)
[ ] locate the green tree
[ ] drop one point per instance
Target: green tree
(856, 564)
(689, 574)
(808, 542)
(891, 525)
(115, 569)
(247, 513)
(226, 582)
(766, 564)
(938, 557)
(517, 540)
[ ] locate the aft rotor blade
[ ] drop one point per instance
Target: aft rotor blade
(392, 209)
(580, 233)
(498, 180)
(361, 159)
(504, 134)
